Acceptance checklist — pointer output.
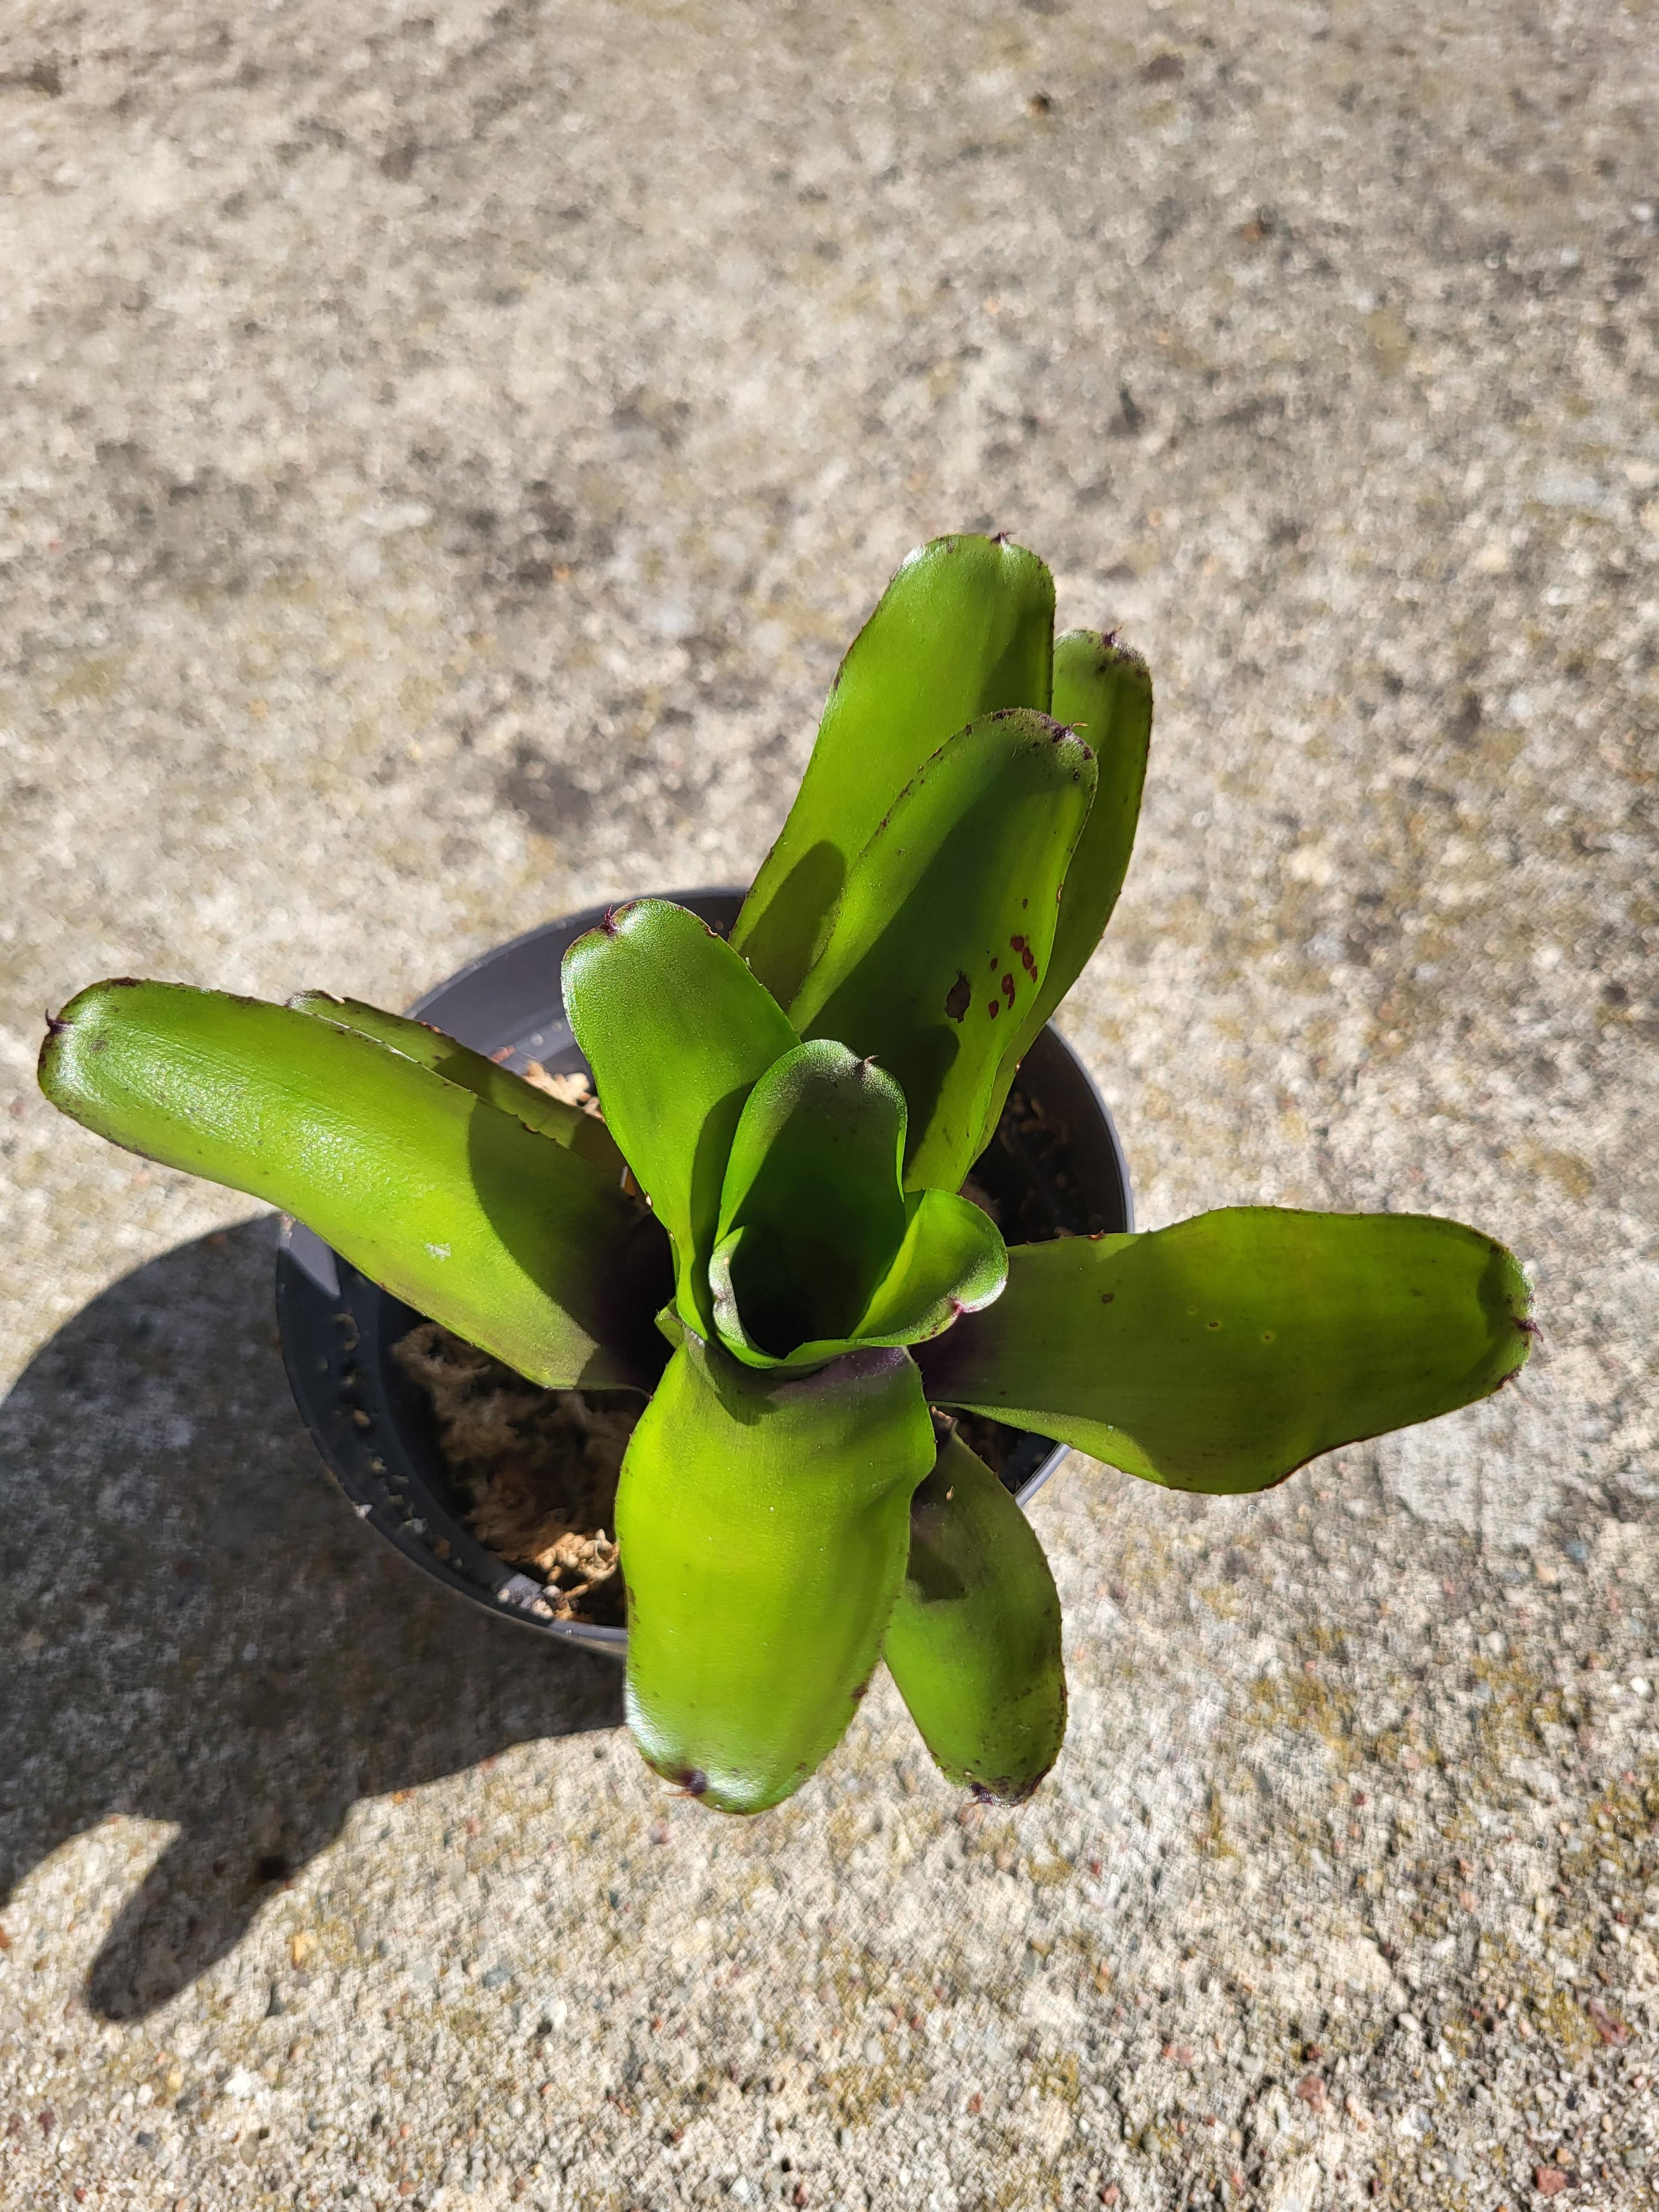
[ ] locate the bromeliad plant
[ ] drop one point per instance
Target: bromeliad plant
(766, 1232)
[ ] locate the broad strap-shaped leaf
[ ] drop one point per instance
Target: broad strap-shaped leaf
(812, 1212)
(585, 1133)
(952, 1262)
(516, 1243)
(974, 1640)
(677, 1032)
(1103, 690)
(1223, 1354)
(943, 931)
(763, 1523)
(966, 626)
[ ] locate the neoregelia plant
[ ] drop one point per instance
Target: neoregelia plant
(797, 1283)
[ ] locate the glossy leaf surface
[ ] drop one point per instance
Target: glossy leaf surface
(819, 1248)
(952, 1262)
(812, 1212)
(1223, 1354)
(966, 626)
(1103, 690)
(676, 1031)
(763, 1523)
(459, 1209)
(537, 1109)
(974, 1641)
(943, 931)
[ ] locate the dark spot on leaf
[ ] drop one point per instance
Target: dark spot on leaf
(1106, 1296)
(957, 998)
(1017, 944)
(1008, 987)
(995, 1008)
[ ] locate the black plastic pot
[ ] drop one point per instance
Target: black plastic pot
(1054, 1167)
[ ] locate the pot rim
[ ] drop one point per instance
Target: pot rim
(337, 1354)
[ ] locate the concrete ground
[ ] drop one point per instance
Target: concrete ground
(446, 447)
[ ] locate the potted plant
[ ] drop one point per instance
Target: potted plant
(766, 1235)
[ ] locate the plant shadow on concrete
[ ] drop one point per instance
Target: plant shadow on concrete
(202, 1631)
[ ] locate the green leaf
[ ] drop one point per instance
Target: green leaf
(1222, 1354)
(974, 1640)
(584, 1134)
(516, 1243)
(943, 931)
(1104, 691)
(763, 1523)
(677, 1032)
(811, 1213)
(819, 1249)
(952, 1262)
(966, 626)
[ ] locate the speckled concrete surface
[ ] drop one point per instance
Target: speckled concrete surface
(445, 448)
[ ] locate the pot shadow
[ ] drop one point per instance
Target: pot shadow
(201, 1632)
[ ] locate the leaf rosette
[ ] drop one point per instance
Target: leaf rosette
(768, 1235)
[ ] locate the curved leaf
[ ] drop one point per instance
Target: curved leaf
(763, 1525)
(812, 1212)
(952, 1262)
(1104, 691)
(676, 1031)
(974, 1640)
(966, 626)
(1223, 1354)
(516, 1243)
(584, 1134)
(943, 931)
